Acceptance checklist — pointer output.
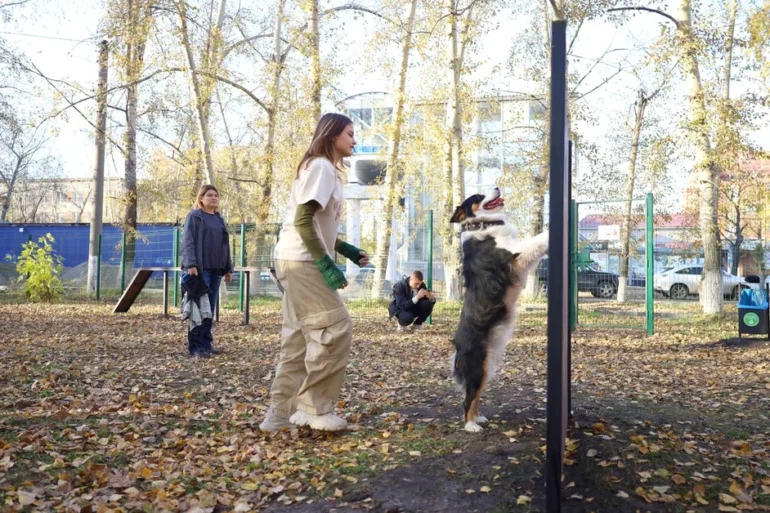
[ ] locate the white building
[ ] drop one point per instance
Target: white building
(510, 128)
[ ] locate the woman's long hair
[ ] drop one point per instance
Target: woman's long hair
(202, 192)
(329, 127)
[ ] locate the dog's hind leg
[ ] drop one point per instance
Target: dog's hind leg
(473, 389)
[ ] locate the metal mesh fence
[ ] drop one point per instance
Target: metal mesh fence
(610, 263)
(416, 245)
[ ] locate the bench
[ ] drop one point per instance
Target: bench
(247, 279)
(143, 274)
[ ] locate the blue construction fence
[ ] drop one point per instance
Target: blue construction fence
(153, 248)
(155, 245)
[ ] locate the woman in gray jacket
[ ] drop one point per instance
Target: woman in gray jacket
(206, 254)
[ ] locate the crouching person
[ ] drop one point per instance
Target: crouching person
(412, 302)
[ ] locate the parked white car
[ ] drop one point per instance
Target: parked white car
(684, 280)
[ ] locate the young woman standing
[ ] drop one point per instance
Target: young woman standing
(317, 329)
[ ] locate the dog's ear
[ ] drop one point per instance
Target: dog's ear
(459, 215)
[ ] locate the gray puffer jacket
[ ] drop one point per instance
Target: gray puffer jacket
(192, 241)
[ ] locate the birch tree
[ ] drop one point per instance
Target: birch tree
(393, 162)
(22, 147)
(530, 59)
(128, 24)
(202, 84)
(743, 193)
(688, 46)
(315, 60)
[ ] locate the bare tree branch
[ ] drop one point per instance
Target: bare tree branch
(292, 44)
(646, 9)
(11, 4)
(618, 72)
(456, 12)
(73, 104)
(174, 147)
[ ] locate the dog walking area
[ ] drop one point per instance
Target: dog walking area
(100, 412)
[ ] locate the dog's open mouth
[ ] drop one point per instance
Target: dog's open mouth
(497, 202)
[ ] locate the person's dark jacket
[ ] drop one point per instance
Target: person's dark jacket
(402, 297)
(194, 287)
(192, 241)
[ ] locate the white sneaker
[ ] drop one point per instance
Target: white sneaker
(325, 422)
(399, 328)
(418, 328)
(273, 422)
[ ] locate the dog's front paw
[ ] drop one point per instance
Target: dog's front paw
(472, 427)
(481, 419)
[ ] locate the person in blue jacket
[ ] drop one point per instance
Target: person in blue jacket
(206, 254)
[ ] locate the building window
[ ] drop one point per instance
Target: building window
(361, 117)
(536, 111)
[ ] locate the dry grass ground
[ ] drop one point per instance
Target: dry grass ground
(103, 412)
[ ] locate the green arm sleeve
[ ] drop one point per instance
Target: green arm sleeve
(303, 223)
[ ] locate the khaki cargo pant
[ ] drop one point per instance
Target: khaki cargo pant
(315, 342)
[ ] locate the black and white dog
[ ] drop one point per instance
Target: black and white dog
(495, 268)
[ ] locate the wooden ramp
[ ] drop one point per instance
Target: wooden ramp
(141, 278)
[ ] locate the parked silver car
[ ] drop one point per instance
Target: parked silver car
(684, 280)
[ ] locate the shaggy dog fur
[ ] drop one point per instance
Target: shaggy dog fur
(495, 268)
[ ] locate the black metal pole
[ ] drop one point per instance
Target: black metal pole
(558, 275)
(570, 225)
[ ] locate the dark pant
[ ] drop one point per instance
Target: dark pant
(199, 339)
(417, 314)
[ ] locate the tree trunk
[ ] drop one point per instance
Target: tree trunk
(537, 219)
(10, 188)
(540, 181)
(726, 78)
(641, 104)
(738, 240)
(135, 35)
(200, 101)
(275, 95)
(453, 250)
(233, 158)
(211, 59)
(729, 43)
(129, 180)
(392, 169)
(705, 167)
(315, 61)
(264, 209)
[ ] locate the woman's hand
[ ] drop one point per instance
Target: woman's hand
(192, 271)
(364, 259)
(228, 277)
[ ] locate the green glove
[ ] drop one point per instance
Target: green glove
(331, 273)
(350, 252)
